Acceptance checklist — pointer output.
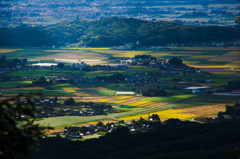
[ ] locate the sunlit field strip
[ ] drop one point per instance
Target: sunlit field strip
(70, 89)
(207, 56)
(167, 114)
(156, 104)
(139, 103)
(104, 100)
(85, 94)
(2, 51)
(123, 97)
(131, 53)
(29, 88)
(90, 48)
(234, 52)
(208, 66)
(121, 101)
(146, 104)
(102, 88)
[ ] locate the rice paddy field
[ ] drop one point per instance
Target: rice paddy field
(222, 63)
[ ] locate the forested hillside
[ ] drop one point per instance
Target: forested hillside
(115, 32)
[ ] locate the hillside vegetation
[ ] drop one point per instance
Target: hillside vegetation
(174, 139)
(115, 32)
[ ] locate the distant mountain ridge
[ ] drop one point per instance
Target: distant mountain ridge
(114, 32)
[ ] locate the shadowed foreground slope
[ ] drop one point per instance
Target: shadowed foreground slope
(186, 140)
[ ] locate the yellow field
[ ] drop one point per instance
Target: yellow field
(234, 64)
(123, 97)
(146, 104)
(70, 89)
(234, 52)
(139, 103)
(205, 56)
(104, 100)
(166, 114)
(121, 101)
(2, 51)
(131, 53)
(208, 110)
(90, 48)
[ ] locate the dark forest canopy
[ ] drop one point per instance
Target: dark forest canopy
(114, 32)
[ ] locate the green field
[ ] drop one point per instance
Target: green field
(14, 84)
(68, 120)
(168, 99)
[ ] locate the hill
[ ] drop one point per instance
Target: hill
(114, 32)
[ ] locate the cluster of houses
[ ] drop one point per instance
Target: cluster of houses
(50, 108)
(46, 112)
(74, 132)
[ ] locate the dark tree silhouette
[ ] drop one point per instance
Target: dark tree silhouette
(18, 133)
(175, 61)
(69, 101)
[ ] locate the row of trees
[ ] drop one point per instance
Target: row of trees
(4, 62)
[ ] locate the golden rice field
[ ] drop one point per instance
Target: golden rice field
(70, 89)
(123, 97)
(104, 100)
(139, 103)
(120, 101)
(85, 94)
(147, 104)
(97, 48)
(101, 88)
(166, 114)
(207, 110)
(131, 53)
(2, 51)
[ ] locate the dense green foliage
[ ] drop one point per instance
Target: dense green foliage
(17, 132)
(155, 92)
(233, 85)
(69, 101)
(114, 32)
(175, 61)
(24, 36)
(231, 111)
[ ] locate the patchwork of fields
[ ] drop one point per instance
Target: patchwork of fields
(223, 63)
(210, 59)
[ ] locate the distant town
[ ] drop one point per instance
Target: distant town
(44, 12)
